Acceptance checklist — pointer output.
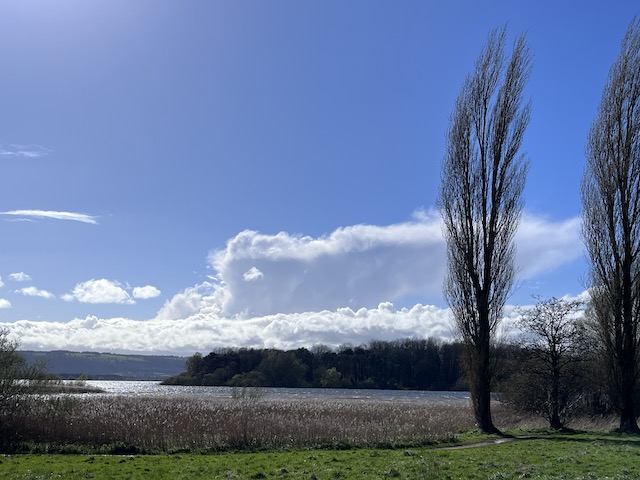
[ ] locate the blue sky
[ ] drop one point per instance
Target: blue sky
(183, 175)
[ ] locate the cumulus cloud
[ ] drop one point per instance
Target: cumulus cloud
(362, 265)
(4, 303)
(38, 214)
(204, 332)
(146, 292)
(109, 291)
(19, 277)
(201, 299)
(1, 282)
(98, 291)
(35, 292)
(356, 266)
(252, 274)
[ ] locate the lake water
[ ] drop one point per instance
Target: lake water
(142, 388)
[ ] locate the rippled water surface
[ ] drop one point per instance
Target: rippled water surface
(139, 388)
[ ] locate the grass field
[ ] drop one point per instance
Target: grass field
(583, 455)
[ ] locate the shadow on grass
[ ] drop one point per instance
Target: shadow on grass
(546, 435)
(582, 436)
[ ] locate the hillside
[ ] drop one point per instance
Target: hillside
(110, 366)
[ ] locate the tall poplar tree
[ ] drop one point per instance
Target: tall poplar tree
(611, 225)
(483, 176)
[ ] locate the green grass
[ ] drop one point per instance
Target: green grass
(590, 455)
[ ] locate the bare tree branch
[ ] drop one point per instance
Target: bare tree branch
(554, 343)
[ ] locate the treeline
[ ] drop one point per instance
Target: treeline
(402, 364)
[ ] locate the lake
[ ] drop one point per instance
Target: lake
(149, 388)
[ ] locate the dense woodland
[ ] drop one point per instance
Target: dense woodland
(401, 364)
(555, 380)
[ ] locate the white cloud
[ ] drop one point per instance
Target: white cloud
(23, 151)
(356, 266)
(1, 282)
(4, 303)
(204, 332)
(35, 292)
(363, 265)
(99, 291)
(200, 299)
(31, 214)
(252, 275)
(543, 245)
(19, 277)
(287, 291)
(146, 292)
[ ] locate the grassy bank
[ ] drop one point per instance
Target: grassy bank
(558, 456)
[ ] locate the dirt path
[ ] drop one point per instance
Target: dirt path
(487, 443)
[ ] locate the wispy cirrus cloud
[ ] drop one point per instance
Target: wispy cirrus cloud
(51, 214)
(23, 151)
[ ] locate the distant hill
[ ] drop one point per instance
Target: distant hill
(108, 366)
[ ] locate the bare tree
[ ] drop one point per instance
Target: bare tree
(18, 378)
(611, 223)
(553, 346)
(483, 177)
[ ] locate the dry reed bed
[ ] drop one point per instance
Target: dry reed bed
(195, 423)
(184, 422)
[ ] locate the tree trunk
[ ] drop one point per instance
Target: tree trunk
(482, 409)
(628, 422)
(554, 421)
(628, 418)
(480, 386)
